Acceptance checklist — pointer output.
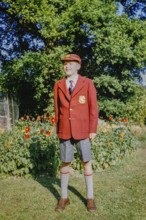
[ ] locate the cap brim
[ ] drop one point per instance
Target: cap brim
(68, 59)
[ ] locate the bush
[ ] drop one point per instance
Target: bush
(32, 148)
(132, 106)
(112, 144)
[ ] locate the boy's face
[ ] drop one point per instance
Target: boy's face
(71, 67)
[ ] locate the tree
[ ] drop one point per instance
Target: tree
(112, 47)
(16, 38)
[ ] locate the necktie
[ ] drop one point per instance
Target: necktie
(71, 87)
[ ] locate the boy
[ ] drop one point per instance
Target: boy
(76, 123)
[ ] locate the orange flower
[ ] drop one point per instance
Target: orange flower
(46, 117)
(48, 133)
(117, 120)
(27, 136)
(41, 131)
(53, 120)
(27, 129)
(110, 118)
(125, 120)
(27, 118)
(22, 118)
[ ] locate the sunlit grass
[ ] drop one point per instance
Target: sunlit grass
(120, 194)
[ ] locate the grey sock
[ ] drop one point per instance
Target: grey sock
(89, 186)
(64, 185)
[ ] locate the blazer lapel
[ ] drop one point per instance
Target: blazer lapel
(79, 85)
(63, 87)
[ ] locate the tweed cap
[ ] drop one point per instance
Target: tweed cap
(72, 57)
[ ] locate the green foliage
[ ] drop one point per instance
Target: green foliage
(111, 145)
(112, 47)
(29, 148)
(32, 147)
(136, 106)
(31, 80)
(131, 106)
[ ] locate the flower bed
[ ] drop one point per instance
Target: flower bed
(32, 147)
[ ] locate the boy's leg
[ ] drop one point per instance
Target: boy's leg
(64, 175)
(84, 149)
(88, 174)
(66, 154)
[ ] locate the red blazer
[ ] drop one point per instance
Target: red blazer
(76, 115)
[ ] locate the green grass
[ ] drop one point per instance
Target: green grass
(120, 194)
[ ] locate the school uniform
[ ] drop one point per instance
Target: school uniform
(76, 114)
(76, 117)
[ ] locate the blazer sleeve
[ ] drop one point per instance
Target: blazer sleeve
(93, 108)
(56, 107)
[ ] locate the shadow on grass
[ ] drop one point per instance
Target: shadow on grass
(47, 159)
(51, 182)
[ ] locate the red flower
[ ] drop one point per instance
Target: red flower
(48, 133)
(110, 118)
(27, 129)
(53, 120)
(125, 120)
(117, 120)
(27, 136)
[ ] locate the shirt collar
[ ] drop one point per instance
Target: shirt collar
(73, 78)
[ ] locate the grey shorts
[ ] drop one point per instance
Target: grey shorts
(67, 149)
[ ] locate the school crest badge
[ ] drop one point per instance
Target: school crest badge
(67, 56)
(82, 99)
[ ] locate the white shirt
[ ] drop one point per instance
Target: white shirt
(74, 78)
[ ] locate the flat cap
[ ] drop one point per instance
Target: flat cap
(72, 57)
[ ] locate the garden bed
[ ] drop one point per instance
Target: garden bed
(31, 148)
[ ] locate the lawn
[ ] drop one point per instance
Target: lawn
(120, 194)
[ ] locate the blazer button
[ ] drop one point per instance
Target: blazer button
(69, 118)
(70, 109)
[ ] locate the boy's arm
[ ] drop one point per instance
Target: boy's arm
(56, 105)
(93, 111)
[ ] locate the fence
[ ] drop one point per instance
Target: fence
(9, 112)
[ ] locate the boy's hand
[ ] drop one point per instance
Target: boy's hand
(92, 136)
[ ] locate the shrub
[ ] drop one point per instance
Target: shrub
(133, 107)
(114, 140)
(112, 144)
(32, 148)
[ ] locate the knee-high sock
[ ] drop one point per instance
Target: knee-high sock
(64, 174)
(64, 185)
(89, 186)
(88, 174)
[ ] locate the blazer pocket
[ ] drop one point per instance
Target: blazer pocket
(85, 126)
(63, 125)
